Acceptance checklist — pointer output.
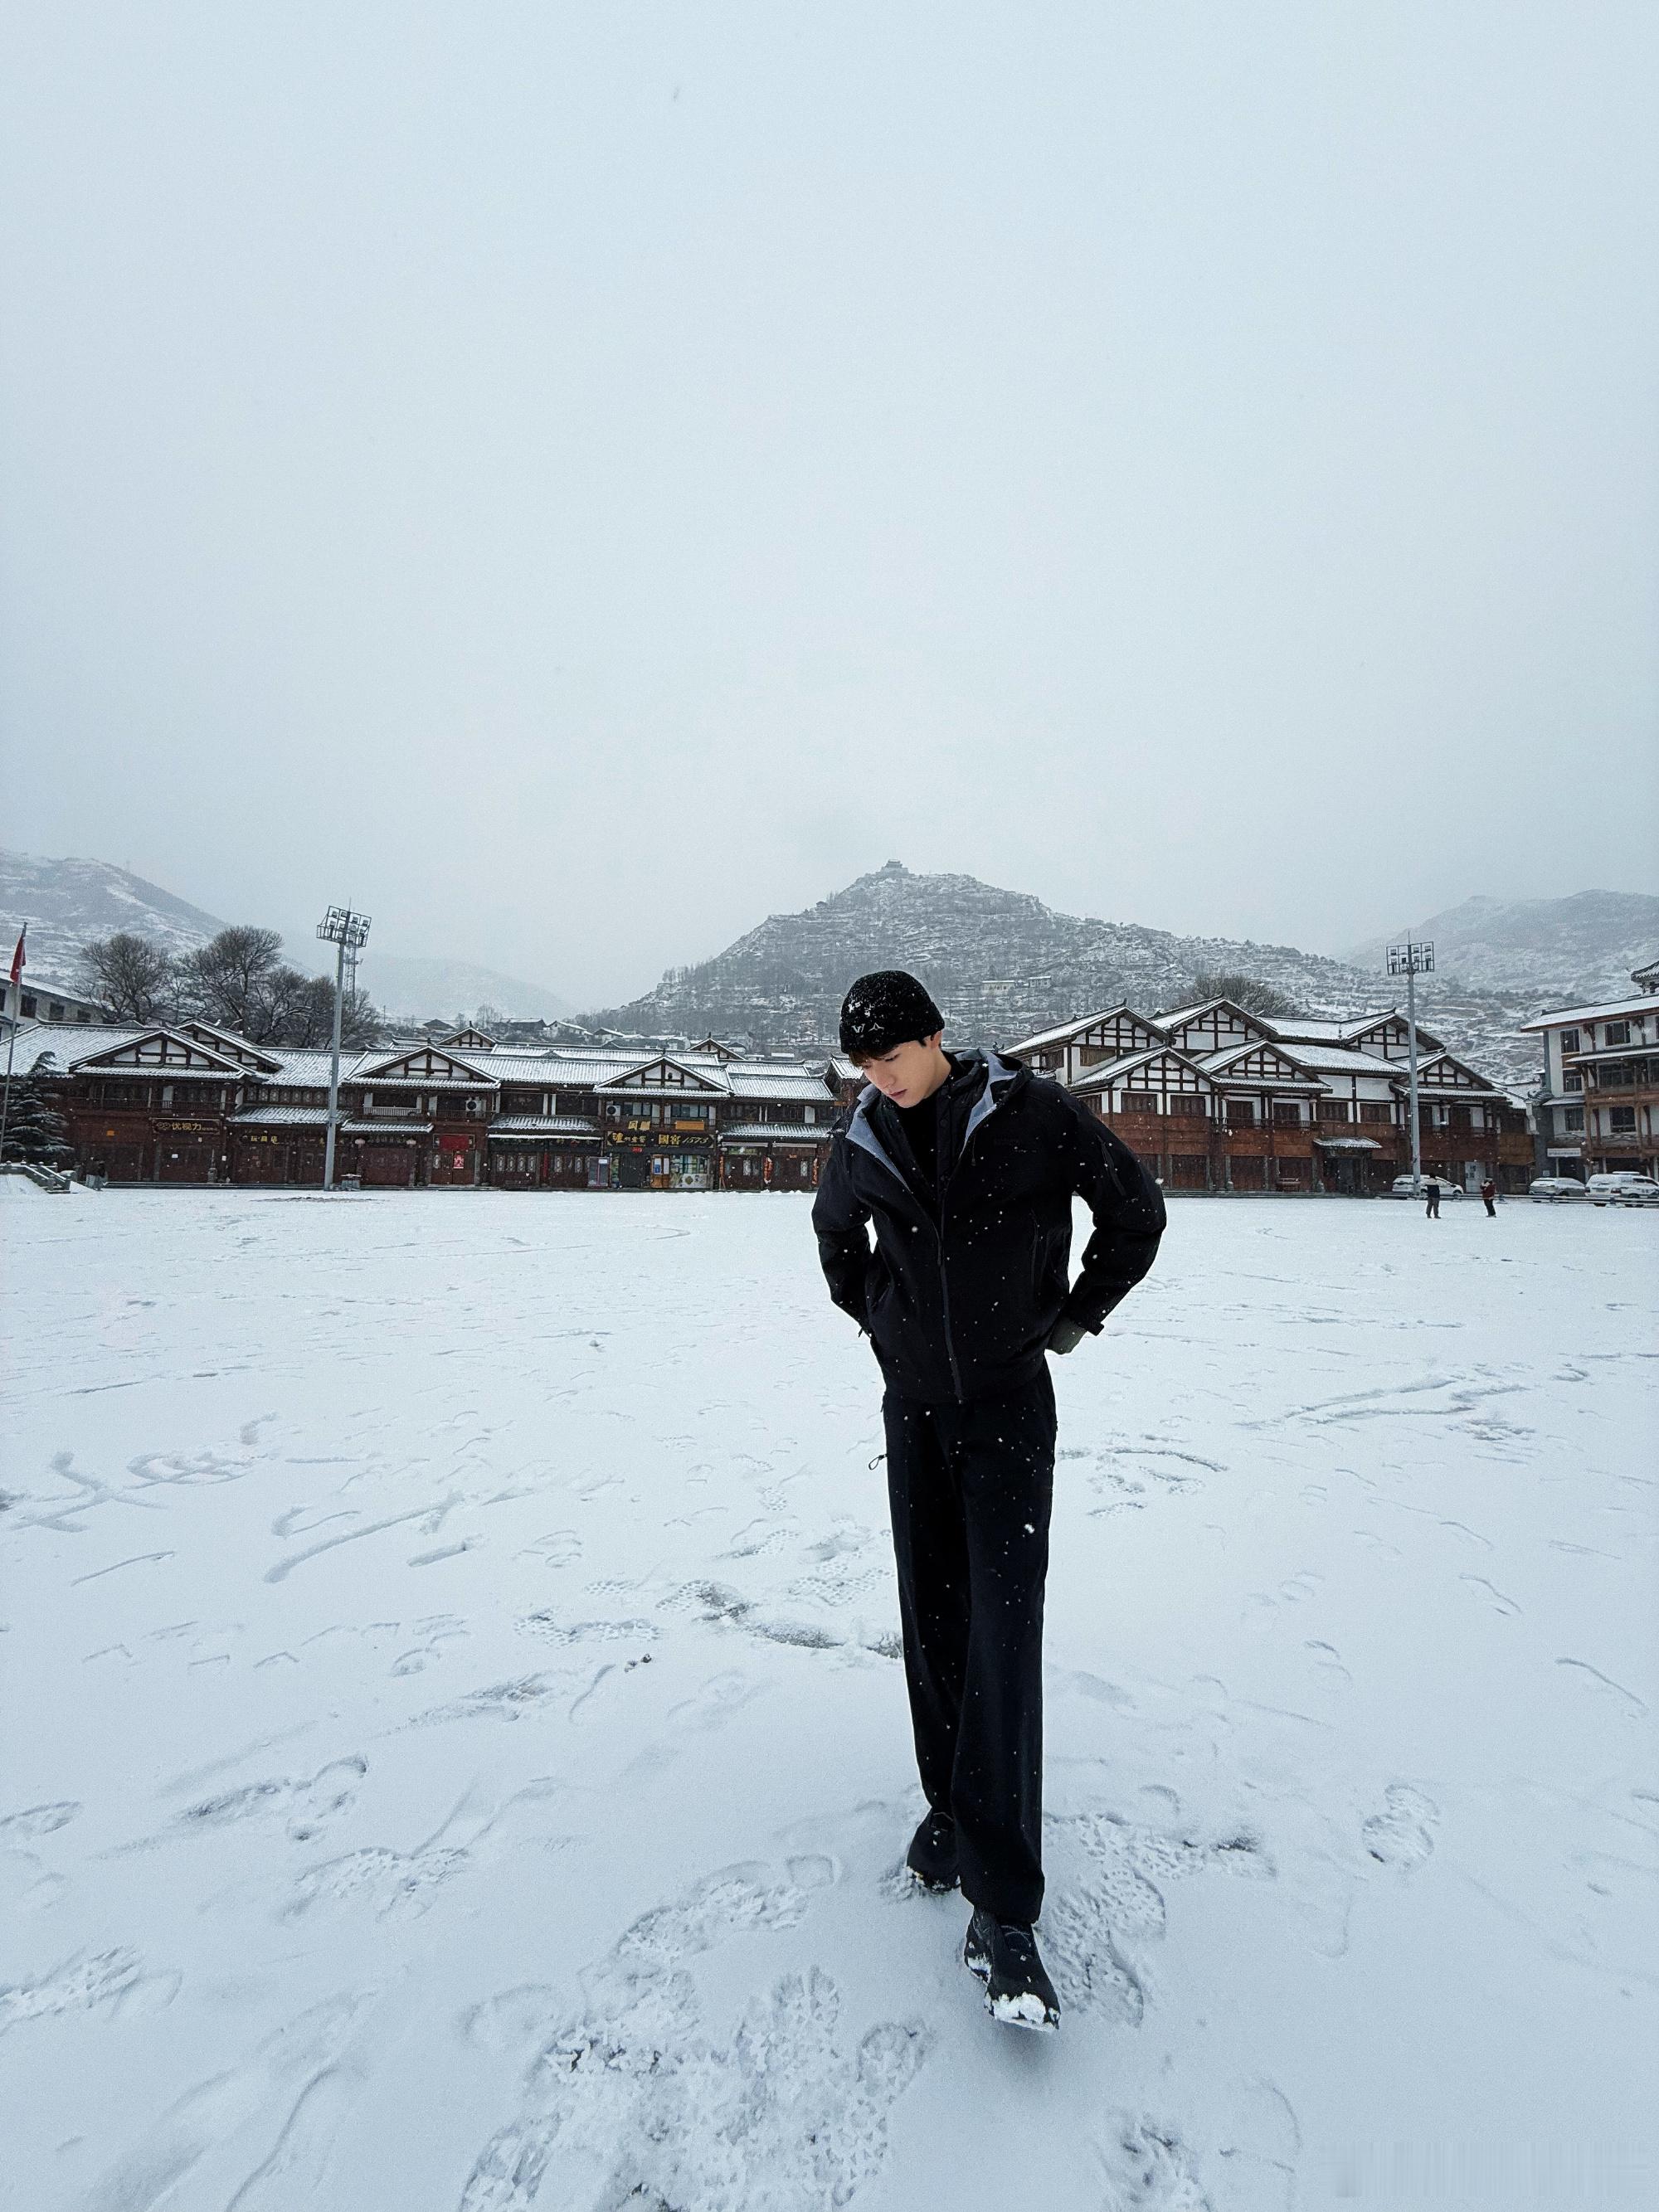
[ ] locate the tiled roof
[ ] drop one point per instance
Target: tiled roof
(776, 1132)
(541, 1125)
(1335, 1059)
(1569, 1017)
(386, 1129)
(303, 1067)
(1310, 1032)
(792, 1082)
(292, 1117)
(1084, 1021)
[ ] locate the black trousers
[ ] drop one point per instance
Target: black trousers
(970, 1488)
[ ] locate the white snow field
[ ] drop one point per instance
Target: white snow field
(455, 1758)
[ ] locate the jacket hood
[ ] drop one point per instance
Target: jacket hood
(1001, 1078)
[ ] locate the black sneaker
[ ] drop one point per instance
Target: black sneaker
(1004, 1955)
(931, 1857)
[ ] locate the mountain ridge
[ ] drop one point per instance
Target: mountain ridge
(66, 903)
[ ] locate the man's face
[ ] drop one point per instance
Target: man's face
(911, 1072)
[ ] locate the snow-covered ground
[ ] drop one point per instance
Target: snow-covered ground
(454, 1755)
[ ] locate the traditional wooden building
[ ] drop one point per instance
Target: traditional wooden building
(194, 1104)
(1215, 1097)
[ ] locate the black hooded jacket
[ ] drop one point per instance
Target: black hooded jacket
(967, 1281)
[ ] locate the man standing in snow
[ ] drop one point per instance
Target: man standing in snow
(967, 1164)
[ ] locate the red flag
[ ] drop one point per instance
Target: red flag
(17, 957)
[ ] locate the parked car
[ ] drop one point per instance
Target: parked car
(1639, 1190)
(1603, 1187)
(1550, 1189)
(1401, 1187)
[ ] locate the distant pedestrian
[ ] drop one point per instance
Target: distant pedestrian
(1489, 1192)
(1431, 1192)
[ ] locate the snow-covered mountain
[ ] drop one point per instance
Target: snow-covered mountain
(1552, 951)
(998, 962)
(66, 903)
(1001, 964)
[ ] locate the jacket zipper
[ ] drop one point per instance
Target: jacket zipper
(944, 1280)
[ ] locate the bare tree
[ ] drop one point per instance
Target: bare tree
(239, 983)
(131, 977)
(1247, 991)
(228, 981)
(308, 1015)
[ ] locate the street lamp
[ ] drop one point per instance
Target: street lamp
(1411, 958)
(346, 930)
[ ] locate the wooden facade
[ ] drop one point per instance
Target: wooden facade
(194, 1105)
(1215, 1098)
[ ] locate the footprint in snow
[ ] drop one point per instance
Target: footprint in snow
(635, 2100)
(1402, 1834)
(1146, 2167)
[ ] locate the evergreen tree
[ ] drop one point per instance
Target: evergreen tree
(35, 1130)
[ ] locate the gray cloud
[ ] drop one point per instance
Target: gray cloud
(577, 480)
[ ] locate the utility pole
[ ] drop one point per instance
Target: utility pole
(1411, 958)
(341, 928)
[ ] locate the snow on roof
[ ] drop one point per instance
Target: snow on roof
(1315, 1032)
(775, 1132)
(1336, 1060)
(465, 1081)
(1111, 1071)
(1569, 1017)
(1083, 1022)
(542, 1125)
(292, 1117)
(750, 1082)
(38, 1040)
(306, 1069)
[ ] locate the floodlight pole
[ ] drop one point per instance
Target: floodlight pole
(1411, 958)
(5, 1103)
(340, 928)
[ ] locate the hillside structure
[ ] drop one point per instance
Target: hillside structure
(1600, 1103)
(1216, 1099)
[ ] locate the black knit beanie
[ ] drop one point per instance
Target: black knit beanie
(885, 1009)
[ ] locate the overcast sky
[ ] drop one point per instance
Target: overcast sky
(577, 478)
